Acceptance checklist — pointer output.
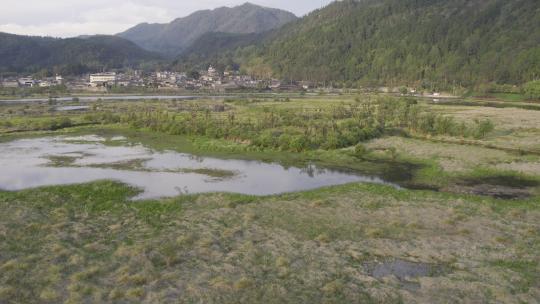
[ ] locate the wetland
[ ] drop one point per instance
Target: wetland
(358, 198)
(30, 163)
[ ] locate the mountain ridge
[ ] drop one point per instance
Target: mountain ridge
(173, 38)
(29, 54)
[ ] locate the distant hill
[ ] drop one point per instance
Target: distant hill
(175, 37)
(71, 56)
(396, 42)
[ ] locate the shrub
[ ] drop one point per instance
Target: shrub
(483, 128)
(532, 90)
(393, 153)
(360, 151)
(445, 125)
(403, 90)
(298, 143)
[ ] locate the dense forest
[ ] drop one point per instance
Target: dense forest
(423, 43)
(74, 56)
(397, 42)
(216, 49)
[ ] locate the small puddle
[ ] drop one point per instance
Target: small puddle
(30, 163)
(502, 187)
(500, 192)
(71, 108)
(404, 271)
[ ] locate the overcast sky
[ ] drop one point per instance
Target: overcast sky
(68, 18)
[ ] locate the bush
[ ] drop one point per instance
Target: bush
(445, 125)
(360, 151)
(403, 90)
(483, 128)
(6, 124)
(338, 127)
(393, 153)
(298, 143)
(284, 141)
(532, 90)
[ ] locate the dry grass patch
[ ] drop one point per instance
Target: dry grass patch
(296, 248)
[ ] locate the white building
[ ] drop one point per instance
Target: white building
(26, 82)
(166, 75)
(103, 79)
(9, 84)
(212, 72)
(45, 84)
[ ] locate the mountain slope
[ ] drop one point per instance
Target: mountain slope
(30, 54)
(216, 49)
(393, 42)
(175, 37)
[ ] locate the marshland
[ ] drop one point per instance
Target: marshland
(285, 198)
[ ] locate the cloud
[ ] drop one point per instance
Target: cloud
(68, 18)
(63, 29)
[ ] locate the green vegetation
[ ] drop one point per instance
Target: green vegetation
(216, 46)
(428, 44)
(50, 124)
(74, 56)
(316, 128)
(532, 90)
(91, 243)
(35, 91)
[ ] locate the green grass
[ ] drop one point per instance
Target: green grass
(508, 97)
(528, 271)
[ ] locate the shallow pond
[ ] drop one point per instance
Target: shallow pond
(404, 271)
(104, 98)
(71, 108)
(29, 163)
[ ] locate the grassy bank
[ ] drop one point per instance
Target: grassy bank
(90, 243)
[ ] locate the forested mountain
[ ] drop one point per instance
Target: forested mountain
(69, 56)
(216, 49)
(395, 42)
(427, 43)
(173, 38)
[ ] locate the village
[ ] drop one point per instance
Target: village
(207, 80)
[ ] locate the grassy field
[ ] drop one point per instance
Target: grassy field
(474, 240)
(89, 243)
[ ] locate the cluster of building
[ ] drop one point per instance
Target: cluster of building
(30, 82)
(210, 79)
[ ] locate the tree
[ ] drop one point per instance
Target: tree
(194, 74)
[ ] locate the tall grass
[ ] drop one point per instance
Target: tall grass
(331, 128)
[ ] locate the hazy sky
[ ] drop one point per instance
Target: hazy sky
(67, 18)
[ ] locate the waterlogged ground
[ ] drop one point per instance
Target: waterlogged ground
(30, 163)
(476, 240)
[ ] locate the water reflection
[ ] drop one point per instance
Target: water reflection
(29, 163)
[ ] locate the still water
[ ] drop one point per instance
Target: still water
(105, 98)
(29, 163)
